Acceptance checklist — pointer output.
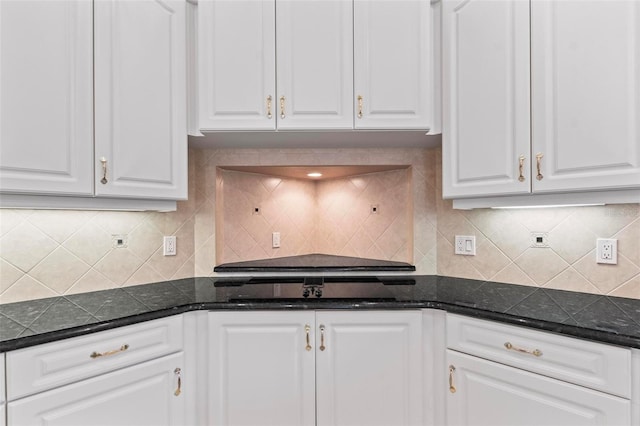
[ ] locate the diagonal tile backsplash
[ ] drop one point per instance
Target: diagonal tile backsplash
(504, 252)
(48, 253)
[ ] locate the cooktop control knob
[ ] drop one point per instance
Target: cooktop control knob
(318, 292)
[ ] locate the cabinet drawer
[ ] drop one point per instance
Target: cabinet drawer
(594, 365)
(42, 367)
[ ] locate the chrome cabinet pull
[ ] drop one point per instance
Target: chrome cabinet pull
(307, 329)
(104, 171)
(521, 168)
(122, 348)
(322, 346)
(535, 352)
(269, 99)
(281, 106)
(538, 162)
(452, 387)
(178, 372)
(360, 102)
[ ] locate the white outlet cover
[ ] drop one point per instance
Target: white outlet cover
(275, 240)
(607, 251)
(465, 245)
(170, 248)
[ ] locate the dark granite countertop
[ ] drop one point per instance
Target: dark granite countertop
(600, 318)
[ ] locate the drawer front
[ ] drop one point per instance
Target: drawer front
(594, 365)
(43, 367)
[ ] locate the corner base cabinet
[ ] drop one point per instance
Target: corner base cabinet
(499, 374)
(492, 394)
(315, 368)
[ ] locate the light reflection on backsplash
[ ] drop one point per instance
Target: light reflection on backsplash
(46, 253)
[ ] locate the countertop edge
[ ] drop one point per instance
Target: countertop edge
(549, 326)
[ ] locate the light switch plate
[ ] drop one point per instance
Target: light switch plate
(465, 245)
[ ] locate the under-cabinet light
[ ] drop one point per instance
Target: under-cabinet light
(550, 206)
(314, 174)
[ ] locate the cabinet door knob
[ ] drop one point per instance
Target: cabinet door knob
(452, 387)
(521, 168)
(360, 102)
(282, 107)
(269, 99)
(307, 329)
(104, 171)
(539, 165)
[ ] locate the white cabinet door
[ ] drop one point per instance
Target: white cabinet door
(586, 93)
(260, 370)
(237, 65)
(488, 393)
(486, 116)
(46, 97)
(315, 64)
(144, 394)
(392, 64)
(3, 409)
(369, 372)
(140, 99)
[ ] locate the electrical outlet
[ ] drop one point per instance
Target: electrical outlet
(170, 247)
(466, 245)
(607, 251)
(275, 240)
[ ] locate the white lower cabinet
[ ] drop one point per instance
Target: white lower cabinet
(3, 411)
(487, 393)
(145, 394)
(499, 374)
(315, 368)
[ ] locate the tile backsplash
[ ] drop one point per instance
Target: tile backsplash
(46, 253)
(323, 216)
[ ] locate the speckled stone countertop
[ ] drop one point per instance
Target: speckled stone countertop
(600, 318)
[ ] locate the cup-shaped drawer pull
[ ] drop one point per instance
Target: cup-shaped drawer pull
(121, 349)
(534, 352)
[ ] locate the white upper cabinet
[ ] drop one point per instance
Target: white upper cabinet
(586, 93)
(46, 97)
(393, 68)
(140, 99)
(315, 64)
(584, 111)
(93, 103)
(486, 85)
(237, 49)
